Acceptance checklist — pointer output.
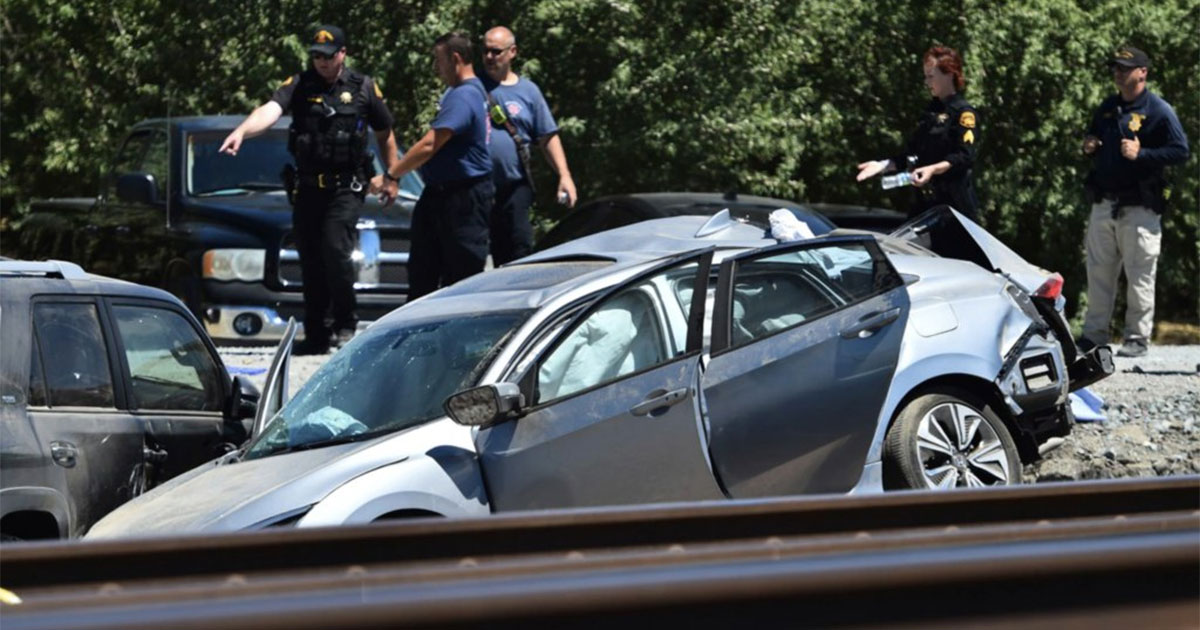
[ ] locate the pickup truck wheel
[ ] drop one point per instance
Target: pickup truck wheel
(187, 289)
(949, 439)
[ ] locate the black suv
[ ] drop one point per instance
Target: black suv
(106, 388)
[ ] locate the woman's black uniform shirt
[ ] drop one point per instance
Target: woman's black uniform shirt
(948, 130)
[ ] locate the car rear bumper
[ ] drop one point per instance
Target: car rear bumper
(1091, 366)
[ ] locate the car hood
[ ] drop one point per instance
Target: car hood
(228, 495)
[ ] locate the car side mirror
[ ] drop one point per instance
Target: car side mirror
(485, 405)
(243, 400)
(137, 188)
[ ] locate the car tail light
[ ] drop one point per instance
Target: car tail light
(1051, 288)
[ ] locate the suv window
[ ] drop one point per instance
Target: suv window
(37, 378)
(74, 355)
(169, 364)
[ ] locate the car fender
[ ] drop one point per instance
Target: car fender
(35, 499)
(911, 376)
(445, 480)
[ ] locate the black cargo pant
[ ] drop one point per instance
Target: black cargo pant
(325, 224)
(449, 234)
(512, 233)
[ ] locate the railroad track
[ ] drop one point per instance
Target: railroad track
(1096, 554)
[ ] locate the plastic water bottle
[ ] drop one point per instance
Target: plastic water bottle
(903, 178)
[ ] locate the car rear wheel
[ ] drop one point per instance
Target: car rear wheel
(948, 439)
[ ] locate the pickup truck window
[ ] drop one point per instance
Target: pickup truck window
(256, 167)
(74, 355)
(129, 159)
(169, 365)
(154, 161)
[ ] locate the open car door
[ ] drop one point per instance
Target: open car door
(275, 390)
(805, 340)
(612, 417)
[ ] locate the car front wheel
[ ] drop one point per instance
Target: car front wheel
(948, 439)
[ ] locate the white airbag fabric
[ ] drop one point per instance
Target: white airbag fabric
(785, 227)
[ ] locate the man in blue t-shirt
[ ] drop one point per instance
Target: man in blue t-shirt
(521, 103)
(449, 231)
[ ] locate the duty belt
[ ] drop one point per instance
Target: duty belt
(330, 181)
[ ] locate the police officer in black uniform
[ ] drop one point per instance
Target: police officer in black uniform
(941, 153)
(332, 106)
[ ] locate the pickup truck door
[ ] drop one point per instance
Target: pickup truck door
(177, 384)
(805, 340)
(136, 228)
(614, 416)
(92, 450)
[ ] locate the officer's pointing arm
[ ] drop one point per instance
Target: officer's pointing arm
(257, 122)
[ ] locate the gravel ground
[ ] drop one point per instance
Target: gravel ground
(1152, 405)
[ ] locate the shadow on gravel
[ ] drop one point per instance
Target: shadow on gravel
(1137, 369)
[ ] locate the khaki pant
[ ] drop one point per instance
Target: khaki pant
(1131, 242)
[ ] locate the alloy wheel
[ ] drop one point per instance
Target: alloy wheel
(958, 447)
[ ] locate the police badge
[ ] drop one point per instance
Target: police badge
(345, 97)
(1135, 122)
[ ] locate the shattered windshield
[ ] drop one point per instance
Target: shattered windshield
(385, 380)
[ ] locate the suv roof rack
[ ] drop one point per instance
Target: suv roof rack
(49, 268)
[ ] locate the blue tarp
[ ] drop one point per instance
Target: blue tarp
(1087, 406)
(248, 371)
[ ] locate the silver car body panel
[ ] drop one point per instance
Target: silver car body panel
(223, 495)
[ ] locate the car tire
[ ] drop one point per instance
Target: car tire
(948, 438)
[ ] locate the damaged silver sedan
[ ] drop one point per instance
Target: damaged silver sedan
(680, 359)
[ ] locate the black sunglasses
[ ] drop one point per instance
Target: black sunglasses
(321, 56)
(495, 51)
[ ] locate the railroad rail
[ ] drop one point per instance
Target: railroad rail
(1095, 554)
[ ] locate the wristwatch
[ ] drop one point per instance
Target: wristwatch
(388, 175)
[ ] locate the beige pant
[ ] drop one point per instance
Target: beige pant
(1131, 242)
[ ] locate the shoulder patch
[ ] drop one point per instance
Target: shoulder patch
(378, 93)
(288, 81)
(969, 137)
(967, 119)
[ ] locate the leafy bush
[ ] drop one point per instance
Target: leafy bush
(762, 96)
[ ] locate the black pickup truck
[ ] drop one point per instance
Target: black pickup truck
(213, 229)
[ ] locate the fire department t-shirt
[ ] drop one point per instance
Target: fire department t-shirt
(463, 110)
(526, 107)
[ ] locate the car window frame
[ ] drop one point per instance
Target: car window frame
(527, 380)
(110, 301)
(120, 395)
(721, 339)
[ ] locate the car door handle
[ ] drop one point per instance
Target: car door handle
(63, 454)
(655, 406)
(870, 323)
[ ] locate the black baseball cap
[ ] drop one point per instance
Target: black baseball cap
(327, 39)
(1129, 57)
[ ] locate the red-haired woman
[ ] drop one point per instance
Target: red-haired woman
(944, 142)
